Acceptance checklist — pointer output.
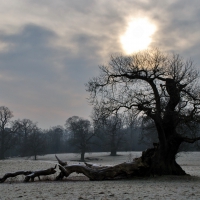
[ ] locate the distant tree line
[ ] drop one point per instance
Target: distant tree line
(23, 138)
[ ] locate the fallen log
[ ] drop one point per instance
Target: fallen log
(139, 167)
(14, 174)
(40, 173)
(120, 171)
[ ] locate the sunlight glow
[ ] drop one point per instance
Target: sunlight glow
(138, 35)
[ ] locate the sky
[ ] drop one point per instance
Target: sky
(50, 49)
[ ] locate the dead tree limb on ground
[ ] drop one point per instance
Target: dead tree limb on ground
(60, 161)
(121, 171)
(40, 173)
(14, 174)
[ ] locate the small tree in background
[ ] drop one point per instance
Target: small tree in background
(8, 131)
(36, 143)
(55, 139)
(26, 129)
(81, 133)
(111, 130)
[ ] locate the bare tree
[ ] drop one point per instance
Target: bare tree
(36, 143)
(161, 86)
(112, 132)
(55, 139)
(26, 129)
(8, 130)
(81, 133)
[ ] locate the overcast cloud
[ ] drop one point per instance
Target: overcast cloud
(50, 49)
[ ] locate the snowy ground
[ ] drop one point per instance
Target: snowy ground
(164, 187)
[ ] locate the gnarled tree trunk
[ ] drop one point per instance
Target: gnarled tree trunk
(162, 162)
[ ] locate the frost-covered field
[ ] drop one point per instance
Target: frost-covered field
(74, 187)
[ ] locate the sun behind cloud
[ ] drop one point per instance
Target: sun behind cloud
(138, 35)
